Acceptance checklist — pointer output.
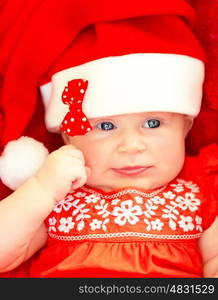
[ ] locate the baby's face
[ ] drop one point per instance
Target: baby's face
(144, 150)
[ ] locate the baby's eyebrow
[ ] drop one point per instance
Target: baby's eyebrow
(111, 119)
(155, 115)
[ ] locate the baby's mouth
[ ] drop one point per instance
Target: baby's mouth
(131, 170)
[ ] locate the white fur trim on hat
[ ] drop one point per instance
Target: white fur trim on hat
(130, 84)
(20, 160)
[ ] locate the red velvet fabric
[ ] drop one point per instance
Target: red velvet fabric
(20, 23)
(44, 38)
(205, 129)
(39, 37)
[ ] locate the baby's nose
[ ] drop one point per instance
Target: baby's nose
(132, 143)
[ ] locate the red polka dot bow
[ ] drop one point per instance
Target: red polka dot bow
(75, 122)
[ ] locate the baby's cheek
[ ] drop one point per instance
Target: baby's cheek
(94, 178)
(171, 155)
(175, 163)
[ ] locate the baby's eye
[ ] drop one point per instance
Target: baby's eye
(105, 126)
(152, 123)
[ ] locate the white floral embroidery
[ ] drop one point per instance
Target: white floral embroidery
(150, 207)
(178, 187)
(157, 224)
(66, 224)
(80, 194)
(103, 224)
(192, 186)
(158, 200)
(103, 209)
(81, 213)
(127, 212)
(189, 202)
(198, 221)
(52, 221)
(169, 195)
(171, 213)
(189, 184)
(148, 228)
(163, 211)
(186, 223)
(139, 199)
(64, 204)
(92, 198)
(115, 201)
(97, 224)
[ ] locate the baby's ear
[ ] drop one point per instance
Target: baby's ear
(65, 138)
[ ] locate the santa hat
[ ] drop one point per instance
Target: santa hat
(117, 58)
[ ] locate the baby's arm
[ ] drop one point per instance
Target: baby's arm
(209, 247)
(22, 214)
(21, 223)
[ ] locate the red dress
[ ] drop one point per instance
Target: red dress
(131, 232)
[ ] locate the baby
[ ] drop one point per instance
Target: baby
(120, 199)
(120, 173)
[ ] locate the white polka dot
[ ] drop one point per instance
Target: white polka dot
(64, 96)
(82, 127)
(82, 91)
(72, 119)
(79, 83)
(72, 98)
(79, 101)
(88, 129)
(68, 129)
(66, 89)
(78, 109)
(84, 119)
(65, 122)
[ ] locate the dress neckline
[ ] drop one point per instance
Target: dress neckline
(127, 190)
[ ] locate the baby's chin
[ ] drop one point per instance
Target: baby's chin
(141, 184)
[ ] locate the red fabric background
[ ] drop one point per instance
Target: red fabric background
(205, 129)
(13, 23)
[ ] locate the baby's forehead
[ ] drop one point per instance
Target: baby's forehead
(153, 114)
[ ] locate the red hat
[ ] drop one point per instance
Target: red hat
(134, 57)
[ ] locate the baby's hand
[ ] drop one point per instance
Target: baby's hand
(63, 170)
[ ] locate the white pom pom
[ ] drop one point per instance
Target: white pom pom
(20, 160)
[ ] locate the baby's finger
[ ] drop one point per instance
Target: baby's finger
(80, 179)
(88, 171)
(69, 151)
(77, 183)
